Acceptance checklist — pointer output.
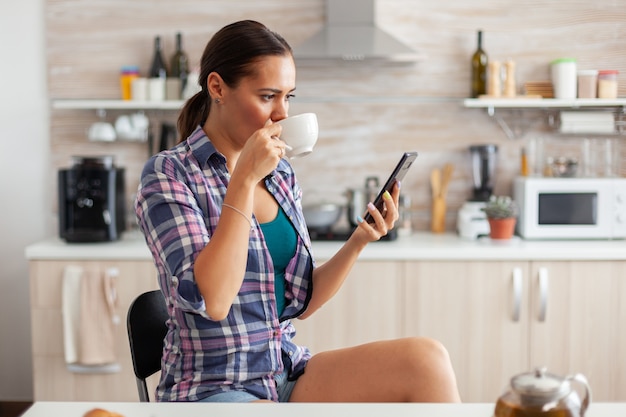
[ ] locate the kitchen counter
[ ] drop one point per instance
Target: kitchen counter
(78, 409)
(418, 246)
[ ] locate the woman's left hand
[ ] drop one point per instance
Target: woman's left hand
(383, 222)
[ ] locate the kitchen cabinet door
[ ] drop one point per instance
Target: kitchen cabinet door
(51, 378)
(583, 328)
(477, 310)
(367, 308)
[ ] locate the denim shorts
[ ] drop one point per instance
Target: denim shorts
(284, 388)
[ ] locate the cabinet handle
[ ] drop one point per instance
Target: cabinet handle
(543, 293)
(517, 293)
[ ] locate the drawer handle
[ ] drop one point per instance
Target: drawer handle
(517, 293)
(543, 294)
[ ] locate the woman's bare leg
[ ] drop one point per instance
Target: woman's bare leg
(404, 370)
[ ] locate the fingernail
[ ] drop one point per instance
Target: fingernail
(359, 219)
(371, 205)
(399, 184)
(386, 195)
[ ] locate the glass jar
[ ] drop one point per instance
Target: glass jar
(607, 84)
(587, 83)
(127, 75)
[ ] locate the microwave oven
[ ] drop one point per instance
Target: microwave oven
(571, 208)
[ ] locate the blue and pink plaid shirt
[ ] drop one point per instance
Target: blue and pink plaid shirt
(178, 206)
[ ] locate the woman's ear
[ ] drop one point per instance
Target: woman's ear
(215, 85)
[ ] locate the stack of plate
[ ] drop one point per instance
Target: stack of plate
(540, 88)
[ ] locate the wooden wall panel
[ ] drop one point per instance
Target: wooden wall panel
(88, 41)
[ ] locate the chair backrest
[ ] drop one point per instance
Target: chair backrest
(146, 330)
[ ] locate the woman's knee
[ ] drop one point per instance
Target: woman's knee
(430, 364)
(427, 353)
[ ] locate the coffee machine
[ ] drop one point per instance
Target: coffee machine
(471, 220)
(91, 200)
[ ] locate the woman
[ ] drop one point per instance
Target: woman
(221, 213)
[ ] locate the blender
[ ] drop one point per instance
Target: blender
(471, 220)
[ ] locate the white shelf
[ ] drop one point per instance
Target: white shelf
(549, 105)
(542, 103)
(117, 104)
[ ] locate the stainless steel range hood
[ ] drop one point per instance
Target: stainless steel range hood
(351, 34)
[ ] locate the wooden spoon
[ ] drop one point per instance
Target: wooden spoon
(435, 182)
(448, 169)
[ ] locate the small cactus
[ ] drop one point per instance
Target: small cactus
(500, 207)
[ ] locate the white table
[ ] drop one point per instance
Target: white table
(78, 409)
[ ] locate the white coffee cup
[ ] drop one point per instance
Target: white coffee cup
(300, 134)
(101, 132)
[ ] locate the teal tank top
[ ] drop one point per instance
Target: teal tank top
(281, 241)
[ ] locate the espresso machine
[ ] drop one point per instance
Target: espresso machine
(471, 219)
(91, 200)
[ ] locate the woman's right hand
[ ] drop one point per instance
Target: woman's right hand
(262, 151)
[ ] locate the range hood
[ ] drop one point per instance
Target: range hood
(351, 34)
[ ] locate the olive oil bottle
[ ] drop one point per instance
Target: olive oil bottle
(479, 69)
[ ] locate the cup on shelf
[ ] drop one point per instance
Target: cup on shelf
(139, 89)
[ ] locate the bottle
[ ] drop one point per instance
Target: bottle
(158, 73)
(157, 68)
(479, 69)
(180, 63)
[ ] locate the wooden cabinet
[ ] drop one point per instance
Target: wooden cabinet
(475, 310)
(488, 314)
(584, 325)
(498, 319)
(52, 380)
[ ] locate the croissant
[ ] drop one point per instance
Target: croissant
(100, 412)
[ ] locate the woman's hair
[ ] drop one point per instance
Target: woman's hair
(231, 53)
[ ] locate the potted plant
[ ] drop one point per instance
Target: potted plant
(501, 214)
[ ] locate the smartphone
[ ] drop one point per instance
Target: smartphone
(397, 175)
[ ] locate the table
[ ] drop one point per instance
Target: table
(77, 409)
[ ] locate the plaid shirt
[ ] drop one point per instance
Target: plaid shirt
(178, 206)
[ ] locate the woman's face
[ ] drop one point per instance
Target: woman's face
(261, 97)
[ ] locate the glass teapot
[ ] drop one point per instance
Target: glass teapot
(540, 394)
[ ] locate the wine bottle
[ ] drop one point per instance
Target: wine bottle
(157, 68)
(180, 63)
(479, 69)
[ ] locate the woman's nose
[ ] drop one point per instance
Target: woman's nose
(281, 111)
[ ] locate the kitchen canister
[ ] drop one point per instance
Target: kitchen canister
(587, 83)
(607, 84)
(564, 78)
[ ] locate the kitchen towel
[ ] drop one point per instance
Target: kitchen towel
(90, 319)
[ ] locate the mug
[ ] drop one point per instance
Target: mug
(300, 134)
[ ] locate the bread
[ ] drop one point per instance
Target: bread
(99, 412)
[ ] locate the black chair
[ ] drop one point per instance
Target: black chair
(146, 330)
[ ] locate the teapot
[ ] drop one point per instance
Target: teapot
(540, 394)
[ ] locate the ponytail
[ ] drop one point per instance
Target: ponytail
(194, 113)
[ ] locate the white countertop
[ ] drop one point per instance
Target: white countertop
(418, 246)
(78, 409)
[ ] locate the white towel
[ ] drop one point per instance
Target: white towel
(90, 319)
(72, 276)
